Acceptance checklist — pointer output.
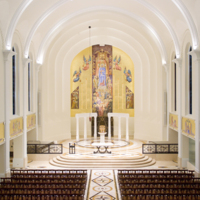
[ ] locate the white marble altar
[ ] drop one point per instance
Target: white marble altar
(119, 115)
(86, 115)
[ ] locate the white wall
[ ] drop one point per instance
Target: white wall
(2, 115)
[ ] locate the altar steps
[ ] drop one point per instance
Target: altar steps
(68, 161)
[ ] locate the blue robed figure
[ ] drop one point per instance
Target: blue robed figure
(102, 76)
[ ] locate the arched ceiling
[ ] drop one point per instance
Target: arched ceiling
(41, 22)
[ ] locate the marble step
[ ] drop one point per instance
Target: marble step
(104, 160)
(103, 164)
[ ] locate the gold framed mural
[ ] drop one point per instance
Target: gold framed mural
(188, 127)
(173, 121)
(2, 137)
(31, 121)
(102, 81)
(16, 127)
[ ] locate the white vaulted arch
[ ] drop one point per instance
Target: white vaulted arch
(190, 23)
(14, 22)
(156, 37)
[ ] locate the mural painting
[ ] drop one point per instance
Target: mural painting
(128, 75)
(1, 133)
(102, 82)
(77, 75)
(188, 127)
(31, 121)
(116, 63)
(75, 99)
(173, 121)
(86, 63)
(129, 99)
(16, 127)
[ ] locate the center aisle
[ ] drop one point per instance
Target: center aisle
(102, 185)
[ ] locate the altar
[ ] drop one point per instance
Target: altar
(102, 144)
(88, 116)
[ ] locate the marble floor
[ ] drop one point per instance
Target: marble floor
(125, 155)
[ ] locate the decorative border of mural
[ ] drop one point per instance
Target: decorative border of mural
(2, 137)
(16, 127)
(75, 99)
(31, 121)
(173, 121)
(188, 127)
(129, 99)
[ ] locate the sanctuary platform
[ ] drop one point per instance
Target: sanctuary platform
(125, 154)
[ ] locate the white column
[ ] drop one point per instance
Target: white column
(196, 61)
(7, 81)
(127, 129)
(25, 109)
(167, 103)
(95, 127)
(109, 128)
(36, 97)
(119, 128)
(178, 62)
(85, 129)
(77, 128)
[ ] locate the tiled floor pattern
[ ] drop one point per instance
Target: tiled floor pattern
(102, 185)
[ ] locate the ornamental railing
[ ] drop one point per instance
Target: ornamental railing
(44, 148)
(160, 148)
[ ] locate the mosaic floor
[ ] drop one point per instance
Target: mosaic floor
(102, 185)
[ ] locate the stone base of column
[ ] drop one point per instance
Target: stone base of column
(179, 162)
(197, 174)
(25, 162)
(18, 162)
(7, 174)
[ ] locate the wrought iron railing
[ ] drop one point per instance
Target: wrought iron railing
(44, 148)
(160, 148)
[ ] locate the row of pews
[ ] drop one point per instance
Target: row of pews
(44, 185)
(158, 185)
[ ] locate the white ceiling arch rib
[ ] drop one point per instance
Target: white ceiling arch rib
(165, 22)
(46, 39)
(178, 3)
(190, 22)
(38, 22)
(144, 3)
(14, 21)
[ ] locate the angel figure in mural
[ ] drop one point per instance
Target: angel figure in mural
(86, 62)
(128, 75)
(116, 62)
(77, 75)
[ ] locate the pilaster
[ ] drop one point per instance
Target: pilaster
(196, 61)
(166, 67)
(25, 108)
(38, 66)
(178, 62)
(7, 74)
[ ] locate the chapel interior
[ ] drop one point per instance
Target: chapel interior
(99, 99)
